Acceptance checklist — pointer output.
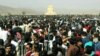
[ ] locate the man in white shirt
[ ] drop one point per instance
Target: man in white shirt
(4, 34)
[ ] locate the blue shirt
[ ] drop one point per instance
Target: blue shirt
(97, 46)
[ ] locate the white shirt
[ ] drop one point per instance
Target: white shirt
(4, 34)
(22, 27)
(69, 33)
(27, 28)
(14, 26)
(98, 28)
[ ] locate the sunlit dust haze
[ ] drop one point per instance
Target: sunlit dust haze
(60, 6)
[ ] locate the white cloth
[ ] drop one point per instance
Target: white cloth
(50, 44)
(27, 27)
(84, 29)
(22, 27)
(64, 46)
(14, 43)
(54, 38)
(4, 34)
(69, 33)
(98, 28)
(14, 26)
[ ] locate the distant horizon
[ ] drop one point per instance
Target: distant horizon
(60, 6)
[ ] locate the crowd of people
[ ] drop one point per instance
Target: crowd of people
(67, 35)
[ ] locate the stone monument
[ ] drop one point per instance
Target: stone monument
(50, 11)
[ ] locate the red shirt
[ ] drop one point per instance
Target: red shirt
(28, 53)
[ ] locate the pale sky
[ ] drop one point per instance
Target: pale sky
(61, 6)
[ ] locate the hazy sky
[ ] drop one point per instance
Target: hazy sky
(59, 5)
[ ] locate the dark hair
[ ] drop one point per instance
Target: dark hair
(36, 35)
(79, 40)
(72, 41)
(99, 38)
(54, 43)
(1, 42)
(65, 34)
(8, 45)
(30, 45)
(88, 49)
(36, 47)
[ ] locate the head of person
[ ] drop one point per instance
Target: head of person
(35, 36)
(79, 42)
(54, 32)
(34, 48)
(88, 50)
(28, 46)
(8, 48)
(72, 41)
(84, 34)
(96, 39)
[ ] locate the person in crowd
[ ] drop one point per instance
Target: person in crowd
(8, 51)
(53, 35)
(4, 33)
(79, 44)
(97, 48)
(90, 43)
(72, 46)
(85, 39)
(35, 51)
(2, 49)
(28, 47)
(88, 51)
